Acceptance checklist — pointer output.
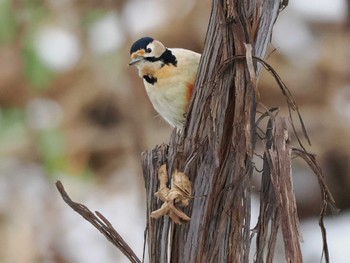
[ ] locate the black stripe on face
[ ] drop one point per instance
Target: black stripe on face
(150, 79)
(167, 58)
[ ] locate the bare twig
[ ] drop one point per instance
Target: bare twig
(101, 223)
(328, 200)
(285, 91)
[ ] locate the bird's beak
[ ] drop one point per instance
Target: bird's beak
(135, 60)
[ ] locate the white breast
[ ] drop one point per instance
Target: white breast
(170, 94)
(169, 100)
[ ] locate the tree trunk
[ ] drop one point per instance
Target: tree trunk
(216, 147)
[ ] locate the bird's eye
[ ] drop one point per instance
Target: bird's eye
(148, 50)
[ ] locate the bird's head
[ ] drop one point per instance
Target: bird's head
(146, 50)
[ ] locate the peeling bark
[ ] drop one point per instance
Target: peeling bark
(216, 147)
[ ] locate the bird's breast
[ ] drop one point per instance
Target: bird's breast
(170, 86)
(170, 95)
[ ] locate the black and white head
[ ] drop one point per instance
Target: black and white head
(148, 50)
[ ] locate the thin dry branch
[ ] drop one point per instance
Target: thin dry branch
(327, 198)
(292, 105)
(101, 223)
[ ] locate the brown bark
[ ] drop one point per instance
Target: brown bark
(277, 200)
(216, 147)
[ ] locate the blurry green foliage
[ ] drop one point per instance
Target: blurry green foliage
(52, 149)
(91, 17)
(8, 23)
(14, 133)
(34, 69)
(12, 129)
(36, 12)
(20, 21)
(38, 75)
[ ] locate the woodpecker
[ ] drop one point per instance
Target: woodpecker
(168, 75)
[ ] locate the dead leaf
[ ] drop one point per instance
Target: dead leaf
(179, 194)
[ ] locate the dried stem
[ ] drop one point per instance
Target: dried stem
(101, 224)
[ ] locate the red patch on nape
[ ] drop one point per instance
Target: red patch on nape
(189, 92)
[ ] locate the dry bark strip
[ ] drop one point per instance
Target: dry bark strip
(278, 185)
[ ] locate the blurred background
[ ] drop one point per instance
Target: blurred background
(72, 110)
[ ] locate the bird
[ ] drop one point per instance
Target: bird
(168, 75)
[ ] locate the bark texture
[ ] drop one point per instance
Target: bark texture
(216, 147)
